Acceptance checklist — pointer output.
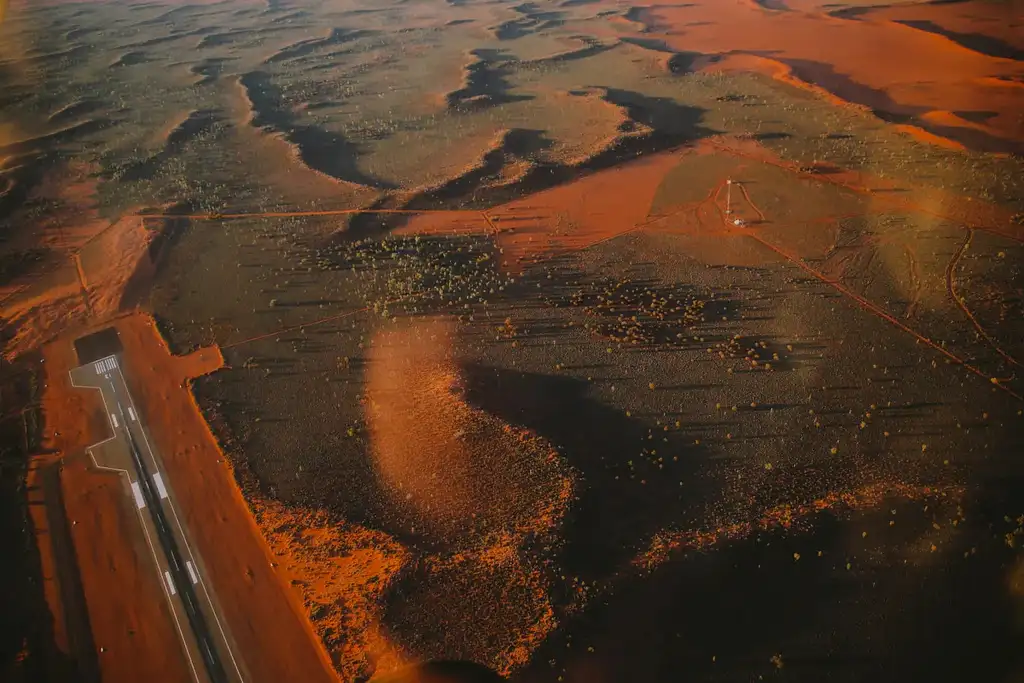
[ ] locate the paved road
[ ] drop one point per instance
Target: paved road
(207, 645)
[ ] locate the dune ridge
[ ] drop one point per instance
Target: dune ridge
(520, 162)
(483, 83)
(73, 110)
(323, 151)
(824, 54)
(208, 70)
(55, 137)
(977, 42)
(590, 48)
(336, 36)
(169, 142)
(130, 58)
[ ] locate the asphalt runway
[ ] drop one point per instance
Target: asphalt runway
(206, 644)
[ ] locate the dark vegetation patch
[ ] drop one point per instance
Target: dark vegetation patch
(14, 264)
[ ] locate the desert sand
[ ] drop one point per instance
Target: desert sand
(583, 340)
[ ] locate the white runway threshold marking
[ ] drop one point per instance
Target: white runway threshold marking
(170, 583)
(104, 366)
(113, 420)
(131, 413)
(191, 571)
(137, 492)
(159, 481)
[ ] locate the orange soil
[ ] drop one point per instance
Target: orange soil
(342, 572)
(474, 482)
(931, 202)
(279, 163)
(70, 221)
(127, 610)
(446, 223)
(262, 614)
(665, 544)
(1002, 21)
(872, 62)
(89, 287)
(922, 135)
(579, 214)
(466, 474)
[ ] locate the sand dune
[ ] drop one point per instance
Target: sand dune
(52, 59)
(532, 19)
(73, 110)
(483, 83)
(208, 70)
(985, 27)
(235, 36)
(978, 42)
(321, 150)
(590, 48)
(520, 161)
(337, 36)
(177, 14)
(159, 40)
(466, 476)
(507, 147)
(56, 137)
(170, 142)
(936, 72)
(129, 59)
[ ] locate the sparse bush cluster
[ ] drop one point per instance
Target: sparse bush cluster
(638, 313)
(424, 273)
(758, 354)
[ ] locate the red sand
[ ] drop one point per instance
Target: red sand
(279, 163)
(470, 480)
(466, 474)
(127, 610)
(590, 210)
(666, 544)
(87, 286)
(579, 214)
(262, 614)
(872, 62)
(342, 572)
